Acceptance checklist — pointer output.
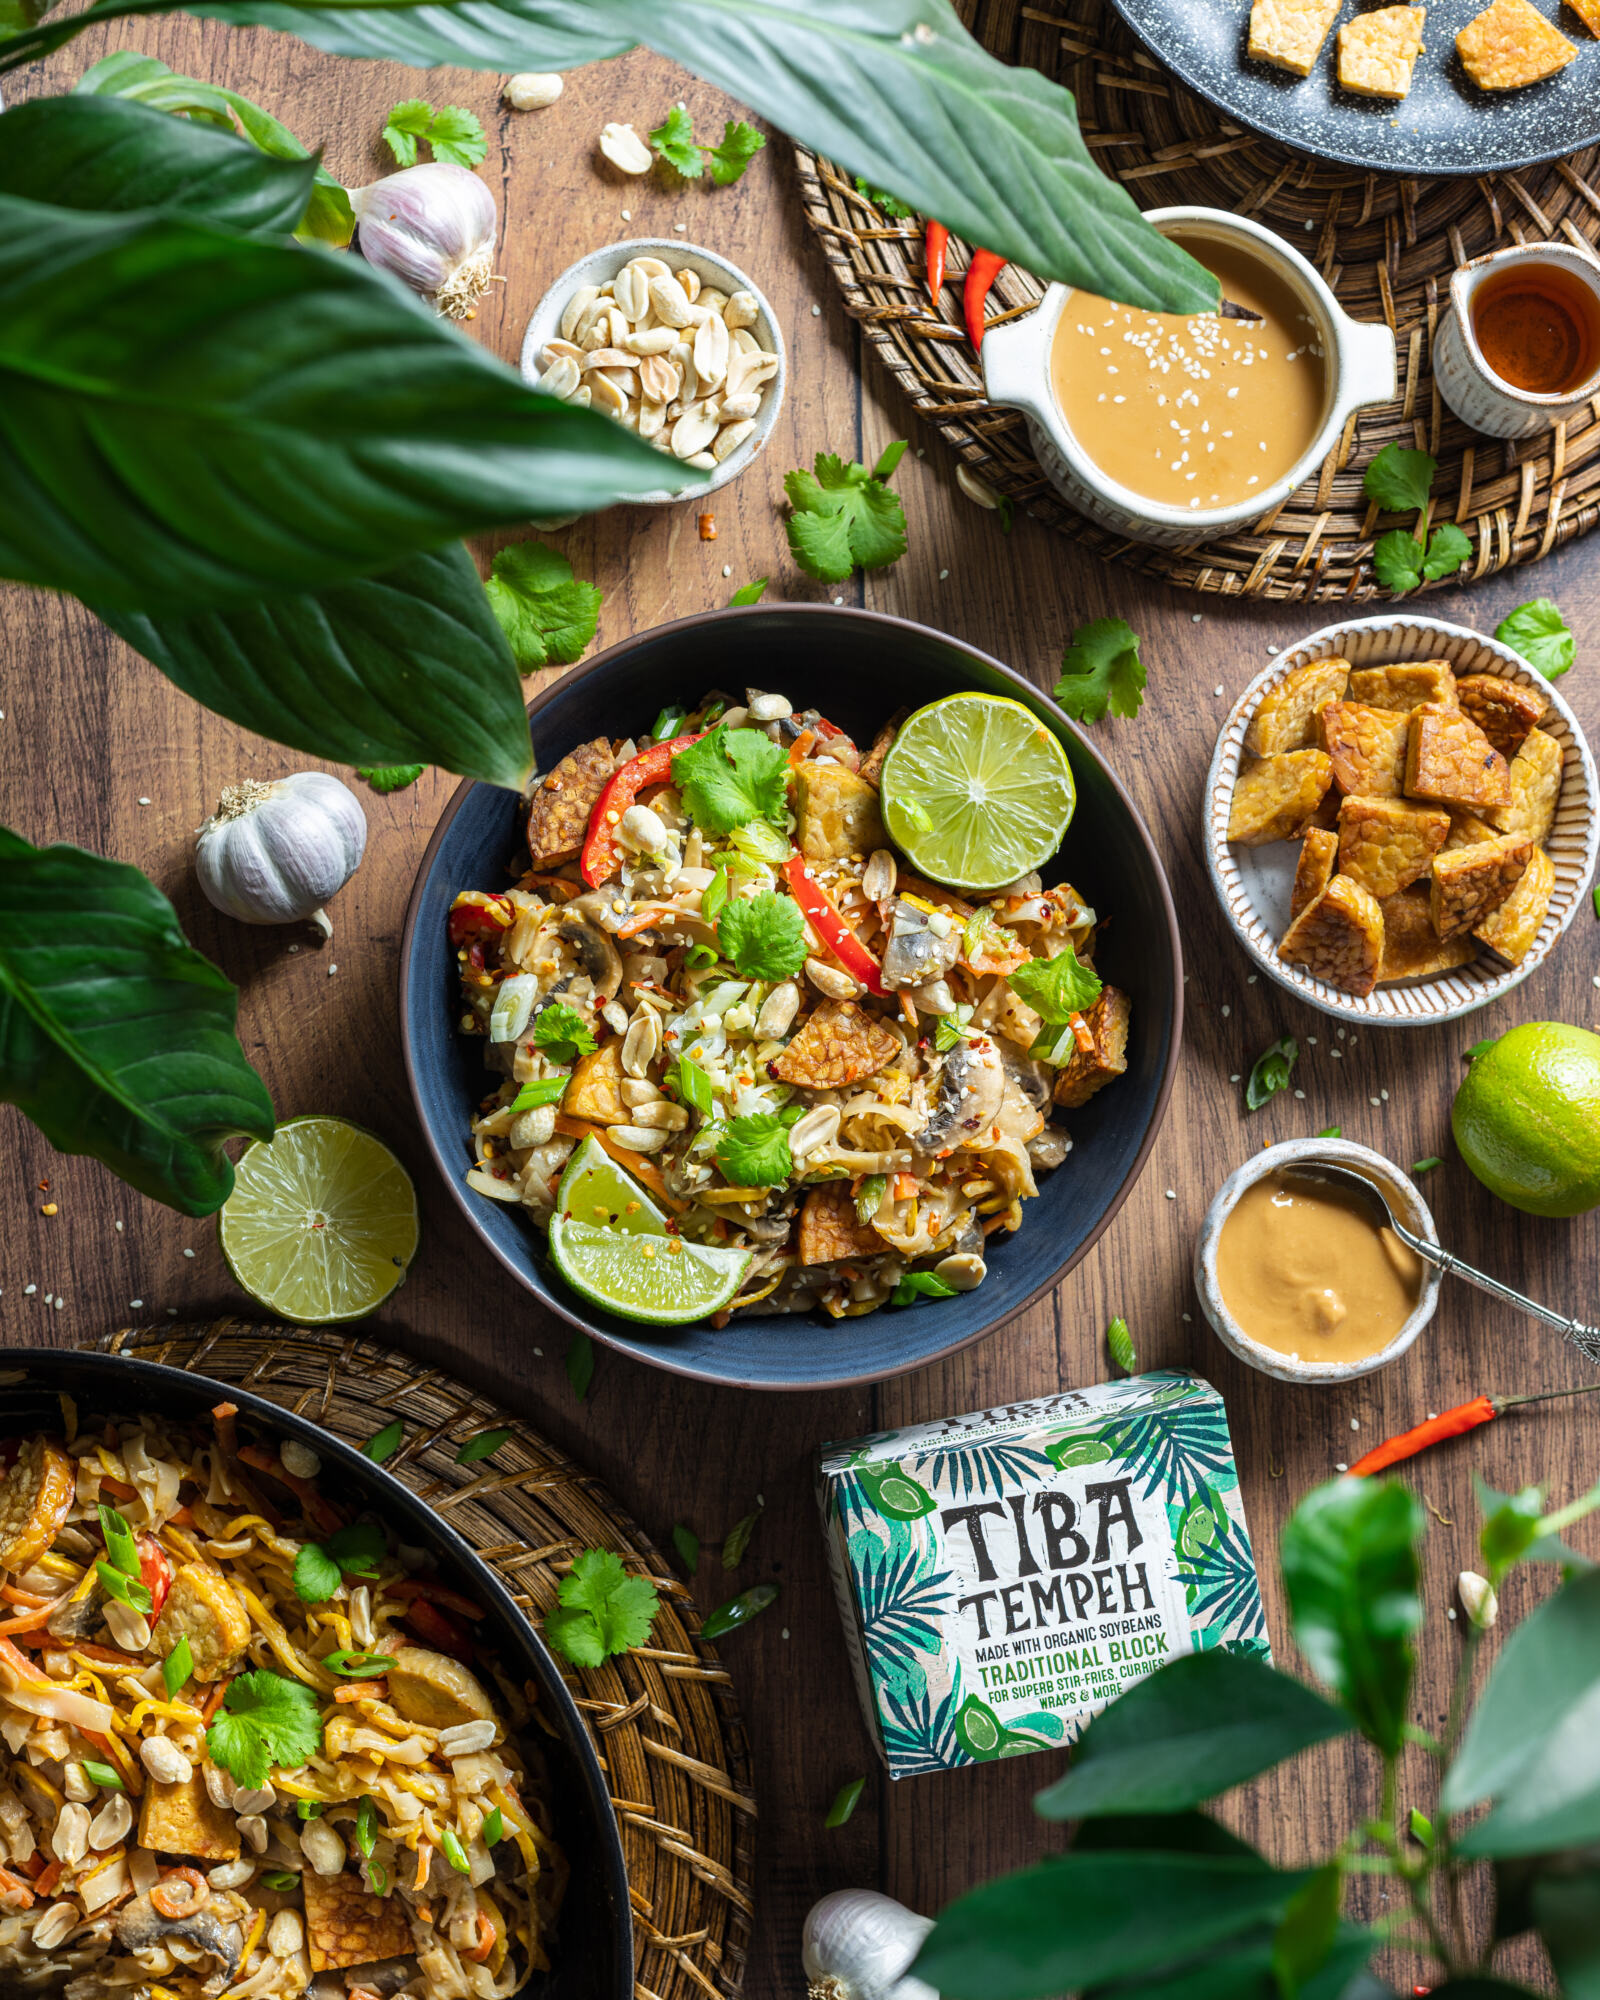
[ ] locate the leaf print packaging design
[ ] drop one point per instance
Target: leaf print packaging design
(1003, 1576)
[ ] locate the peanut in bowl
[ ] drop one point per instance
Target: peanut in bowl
(1400, 819)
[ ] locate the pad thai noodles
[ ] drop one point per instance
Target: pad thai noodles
(244, 1749)
(718, 967)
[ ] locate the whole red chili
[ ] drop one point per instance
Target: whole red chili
(936, 243)
(985, 267)
(1452, 1423)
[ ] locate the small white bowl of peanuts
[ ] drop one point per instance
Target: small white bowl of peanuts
(674, 342)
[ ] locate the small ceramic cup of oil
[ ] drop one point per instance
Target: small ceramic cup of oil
(1519, 349)
(1172, 429)
(1296, 1279)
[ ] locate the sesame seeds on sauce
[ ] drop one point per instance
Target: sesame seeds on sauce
(1155, 398)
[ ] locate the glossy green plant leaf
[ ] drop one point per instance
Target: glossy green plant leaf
(1242, 1969)
(1080, 1920)
(1566, 1906)
(141, 79)
(1350, 1566)
(1480, 1986)
(407, 667)
(190, 417)
(1200, 1726)
(116, 1036)
(1306, 1936)
(1159, 1833)
(107, 154)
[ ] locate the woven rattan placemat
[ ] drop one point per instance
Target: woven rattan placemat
(1386, 245)
(663, 1717)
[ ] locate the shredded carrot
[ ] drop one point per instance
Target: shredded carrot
(27, 1621)
(905, 1187)
(13, 1593)
(33, 1867)
(486, 1937)
(642, 920)
(222, 1410)
(641, 1168)
(108, 1656)
(1082, 1034)
(373, 1690)
(802, 748)
(44, 1883)
(119, 1489)
(183, 1518)
(214, 1702)
(424, 1864)
(909, 1012)
(13, 1886)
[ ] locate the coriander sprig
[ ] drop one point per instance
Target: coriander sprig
(1399, 481)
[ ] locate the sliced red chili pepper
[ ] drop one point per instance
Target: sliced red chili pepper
(650, 767)
(936, 244)
(155, 1573)
(476, 913)
(985, 267)
(434, 1629)
(835, 933)
(437, 1593)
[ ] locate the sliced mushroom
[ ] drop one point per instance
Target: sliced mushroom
(971, 1086)
(77, 1616)
(916, 950)
(1034, 1079)
(579, 930)
(140, 1925)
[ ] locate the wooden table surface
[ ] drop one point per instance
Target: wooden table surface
(98, 749)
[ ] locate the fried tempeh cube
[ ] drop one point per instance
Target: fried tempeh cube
(1473, 881)
(560, 805)
(840, 1044)
(1379, 50)
(1290, 33)
(1092, 1069)
(204, 1608)
(1450, 760)
(1285, 717)
(1386, 844)
(830, 1230)
(36, 1496)
(1535, 788)
(1512, 930)
(1412, 682)
(180, 1819)
(837, 813)
(1466, 830)
(1367, 747)
(882, 744)
(1511, 45)
(595, 1091)
(1339, 937)
(1314, 870)
(347, 1925)
(1588, 12)
(1504, 710)
(1275, 796)
(1412, 948)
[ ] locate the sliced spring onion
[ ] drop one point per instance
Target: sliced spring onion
(694, 1087)
(714, 894)
(493, 1828)
(760, 841)
(177, 1668)
(454, 1852)
(548, 1090)
(513, 1004)
(102, 1774)
(122, 1552)
(125, 1589)
(366, 1826)
(386, 1443)
(356, 1666)
(309, 1808)
(280, 1880)
(869, 1198)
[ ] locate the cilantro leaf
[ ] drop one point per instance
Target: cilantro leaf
(316, 1575)
(731, 777)
(1056, 988)
(673, 141)
(1400, 480)
(265, 1721)
(754, 1151)
(1101, 672)
(1397, 561)
(546, 613)
(1271, 1071)
(738, 147)
(1539, 633)
(763, 937)
(891, 204)
(321, 1566)
(749, 593)
(1120, 1343)
(405, 125)
(843, 516)
(562, 1032)
(390, 777)
(1448, 549)
(456, 135)
(602, 1610)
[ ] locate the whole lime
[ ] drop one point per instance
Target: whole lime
(1527, 1118)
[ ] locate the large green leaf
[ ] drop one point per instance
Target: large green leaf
(1566, 1906)
(102, 153)
(1349, 1557)
(1533, 1744)
(327, 218)
(1160, 1833)
(116, 1036)
(191, 417)
(407, 667)
(1242, 1969)
(1083, 1919)
(1200, 1726)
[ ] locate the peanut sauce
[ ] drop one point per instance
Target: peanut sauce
(1538, 327)
(1304, 1270)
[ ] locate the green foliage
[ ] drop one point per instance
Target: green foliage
(739, 1610)
(892, 205)
(1119, 1343)
(1101, 672)
(1056, 988)
(126, 1051)
(266, 1721)
(754, 1151)
(750, 593)
(737, 1541)
(390, 777)
(1271, 1071)
(843, 516)
(733, 152)
(1401, 564)
(455, 134)
(845, 1801)
(562, 1033)
(732, 776)
(602, 1610)
(548, 616)
(763, 936)
(673, 141)
(1400, 480)
(1536, 630)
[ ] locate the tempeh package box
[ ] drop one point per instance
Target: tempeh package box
(1003, 1576)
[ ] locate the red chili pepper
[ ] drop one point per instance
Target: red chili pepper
(1452, 1423)
(475, 913)
(437, 1593)
(936, 242)
(835, 933)
(650, 767)
(434, 1629)
(155, 1573)
(985, 267)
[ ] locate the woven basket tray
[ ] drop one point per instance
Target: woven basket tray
(663, 1717)
(1387, 247)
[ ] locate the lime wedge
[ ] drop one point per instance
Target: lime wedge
(976, 791)
(322, 1221)
(658, 1279)
(595, 1189)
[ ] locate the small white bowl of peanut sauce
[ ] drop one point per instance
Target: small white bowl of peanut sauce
(1170, 428)
(1297, 1280)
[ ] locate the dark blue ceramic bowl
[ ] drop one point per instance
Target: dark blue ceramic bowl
(857, 667)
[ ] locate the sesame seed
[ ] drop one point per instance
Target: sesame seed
(627, 215)
(680, 227)
(1355, 1423)
(727, 569)
(172, 1312)
(1299, 1093)
(1226, 1012)
(1195, 617)
(1451, 1616)
(1337, 1054)
(838, 600)
(29, 1290)
(1234, 1078)
(1374, 1100)
(539, 1351)
(1216, 691)
(1384, 1095)
(1340, 1466)
(59, 1304)
(144, 802)
(943, 574)
(188, 1253)
(816, 312)
(134, 1304)
(332, 969)
(117, 1226)
(1251, 980)
(1172, 1194)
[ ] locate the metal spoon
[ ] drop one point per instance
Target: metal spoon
(1585, 1338)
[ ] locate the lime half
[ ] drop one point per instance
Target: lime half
(595, 1189)
(660, 1280)
(322, 1221)
(976, 791)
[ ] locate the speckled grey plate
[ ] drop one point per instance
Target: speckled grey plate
(1445, 126)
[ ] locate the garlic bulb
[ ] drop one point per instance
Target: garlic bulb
(271, 853)
(857, 1945)
(433, 228)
